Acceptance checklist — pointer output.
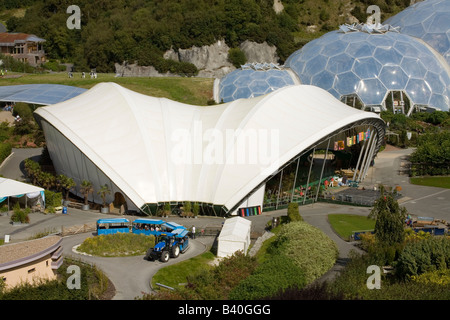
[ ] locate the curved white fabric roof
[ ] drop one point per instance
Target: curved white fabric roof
(140, 142)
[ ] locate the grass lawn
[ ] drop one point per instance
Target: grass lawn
(345, 224)
(176, 274)
(196, 91)
(438, 181)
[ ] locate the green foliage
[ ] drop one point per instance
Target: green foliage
(103, 192)
(308, 247)
(86, 188)
(271, 277)
(93, 285)
(432, 156)
(196, 209)
(293, 213)
(217, 283)
(237, 57)
(20, 215)
(424, 256)
(52, 199)
(117, 245)
(5, 151)
(14, 65)
(389, 225)
(54, 66)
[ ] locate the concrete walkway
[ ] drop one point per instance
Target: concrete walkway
(424, 201)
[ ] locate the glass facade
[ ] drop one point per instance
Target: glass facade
(253, 81)
(371, 65)
(429, 21)
(322, 172)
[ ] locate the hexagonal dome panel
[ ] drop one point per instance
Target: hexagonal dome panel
(254, 80)
(372, 64)
(429, 21)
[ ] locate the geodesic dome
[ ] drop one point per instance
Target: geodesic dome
(428, 20)
(253, 80)
(369, 65)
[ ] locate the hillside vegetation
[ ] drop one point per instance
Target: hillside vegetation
(137, 30)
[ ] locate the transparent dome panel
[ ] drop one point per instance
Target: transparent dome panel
(418, 91)
(393, 77)
(371, 91)
(346, 83)
(367, 68)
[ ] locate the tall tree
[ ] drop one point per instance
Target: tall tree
(390, 217)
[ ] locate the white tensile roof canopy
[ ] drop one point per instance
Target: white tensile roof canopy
(13, 188)
(157, 150)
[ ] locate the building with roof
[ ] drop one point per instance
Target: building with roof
(27, 194)
(369, 67)
(153, 151)
(39, 94)
(30, 261)
(234, 237)
(253, 80)
(23, 47)
(376, 67)
(429, 21)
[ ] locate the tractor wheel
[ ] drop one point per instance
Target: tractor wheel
(148, 255)
(175, 251)
(164, 256)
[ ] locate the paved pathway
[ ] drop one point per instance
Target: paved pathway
(131, 276)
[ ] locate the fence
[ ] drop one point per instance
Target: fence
(87, 227)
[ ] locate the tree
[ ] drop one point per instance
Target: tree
(66, 184)
(390, 217)
(86, 188)
(103, 192)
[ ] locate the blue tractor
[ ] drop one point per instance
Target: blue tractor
(169, 245)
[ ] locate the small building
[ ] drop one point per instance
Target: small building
(235, 236)
(23, 47)
(31, 260)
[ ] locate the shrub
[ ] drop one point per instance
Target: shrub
(117, 245)
(272, 276)
(217, 283)
(292, 212)
(424, 256)
(20, 215)
(52, 199)
(5, 151)
(237, 57)
(308, 247)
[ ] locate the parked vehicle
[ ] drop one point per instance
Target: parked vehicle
(112, 226)
(147, 226)
(169, 245)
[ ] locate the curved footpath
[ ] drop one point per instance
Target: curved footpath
(131, 276)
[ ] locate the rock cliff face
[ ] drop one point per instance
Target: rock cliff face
(211, 61)
(259, 52)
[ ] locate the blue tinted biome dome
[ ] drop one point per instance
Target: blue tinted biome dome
(254, 80)
(370, 65)
(428, 20)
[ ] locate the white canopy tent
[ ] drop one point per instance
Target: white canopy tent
(11, 188)
(154, 150)
(235, 236)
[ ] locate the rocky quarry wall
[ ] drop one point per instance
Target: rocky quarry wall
(211, 61)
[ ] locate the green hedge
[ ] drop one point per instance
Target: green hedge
(5, 151)
(272, 276)
(424, 256)
(308, 247)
